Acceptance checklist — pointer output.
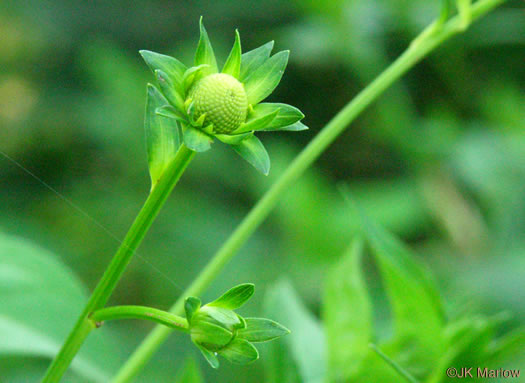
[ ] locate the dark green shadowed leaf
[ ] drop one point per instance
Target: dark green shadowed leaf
(196, 140)
(167, 88)
(190, 373)
(162, 135)
(210, 357)
(233, 139)
(347, 315)
(253, 151)
(262, 330)
(288, 115)
(260, 83)
(235, 297)
(169, 65)
(256, 122)
(253, 59)
(204, 53)
(233, 62)
(191, 305)
(240, 351)
(416, 306)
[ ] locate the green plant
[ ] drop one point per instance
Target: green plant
(181, 121)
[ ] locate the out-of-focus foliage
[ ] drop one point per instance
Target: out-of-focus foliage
(439, 160)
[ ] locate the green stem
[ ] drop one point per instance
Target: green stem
(120, 260)
(140, 312)
(429, 39)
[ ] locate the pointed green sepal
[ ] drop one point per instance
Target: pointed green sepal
(170, 112)
(209, 335)
(240, 351)
(265, 79)
(288, 115)
(234, 297)
(253, 59)
(297, 127)
(168, 89)
(191, 305)
(191, 75)
(257, 122)
(196, 140)
(204, 53)
(210, 357)
(233, 139)
(163, 135)
(253, 151)
(169, 65)
(232, 66)
(262, 330)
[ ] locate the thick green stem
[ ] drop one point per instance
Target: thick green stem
(140, 312)
(429, 39)
(120, 260)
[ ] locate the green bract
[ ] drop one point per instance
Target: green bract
(204, 103)
(217, 330)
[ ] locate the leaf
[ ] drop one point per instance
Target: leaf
(257, 123)
(416, 306)
(196, 140)
(162, 135)
(297, 127)
(170, 112)
(253, 151)
(233, 139)
(204, 54)
(190, 373)
(191, 305)
(287, 115)
(219, 314)
(209, 335)
(210, 357)
(234, 297)
(347, 315)
(253, 59)
(40, 301)
(260, 83)
(302, 359)
(167, 64)
(169, 90)
(240, 351)
(232, 66)
(394, 365)
(190, 75)
(262, 330)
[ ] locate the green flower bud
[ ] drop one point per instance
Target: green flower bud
(214, 327)
(222, 99)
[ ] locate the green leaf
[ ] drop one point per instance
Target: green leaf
(262, 330)
(253, 151)
(209, 335)
(347, 315)
(210, 357)
(162, 135)
(232, 66)
(234, 297)
(191, 305)
(40, 300)
(256, 122)
(219, 314)
(169, 90)
(253, 59)
(240, 351)
(416, 307)
(233, 139)
(302, 358)
(394, 365)
(190, 76)
(167, 64)
(287, 115)
(170, 112)
(196, 140)
(297, 127)
(190, 373)
(260, 83)
(204, 53)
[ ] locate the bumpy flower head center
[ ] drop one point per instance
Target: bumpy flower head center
(224, 101)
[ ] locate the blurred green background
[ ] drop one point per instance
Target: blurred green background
(439, 160)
